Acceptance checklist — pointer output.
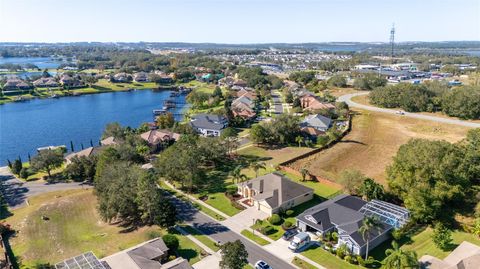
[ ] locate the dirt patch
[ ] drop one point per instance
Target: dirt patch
(372, 143)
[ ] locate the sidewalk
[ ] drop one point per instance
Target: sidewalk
(211, 261)
(198, 201)
(279, 248)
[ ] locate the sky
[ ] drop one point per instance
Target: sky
(238, 21)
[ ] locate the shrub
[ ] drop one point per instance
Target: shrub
(267, 230)
(24, 173)
(335, 236)
(275, 219)
(289, 213)
(153, 234)
(360, 260)
(348, 258)
(287, 225)
(171, 241)
(398, 234)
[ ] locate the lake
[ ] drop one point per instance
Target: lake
(41, 62)
(26, 126)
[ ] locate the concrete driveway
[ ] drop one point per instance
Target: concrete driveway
(244, 219)
(348, 99)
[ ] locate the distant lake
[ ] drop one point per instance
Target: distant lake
(26, 126)
(41, 62)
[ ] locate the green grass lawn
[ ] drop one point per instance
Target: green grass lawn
(278, 230)
(210, 212)
(222, 203)
(320, 189)
(422, 243)
(201, 237)
(248, 234)
(74, 227)
(325, 258)
(302, 264)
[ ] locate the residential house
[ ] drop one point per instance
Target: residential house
(70, 82)
(122, 77)
(157, 139)
(109, 141)
(240, 83)
(90, 151)
(344, 214)
(315, 125)
(208, 124)
(15, 83)
(140, 77)
(250, 93)
(244, 107)
(310, 101)
(152, 254)
(45, 83)
(465, 256)
(226, 81)
(274, 192)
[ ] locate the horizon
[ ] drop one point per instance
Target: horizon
(238, 21)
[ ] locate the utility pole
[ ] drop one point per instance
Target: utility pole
(392, 42)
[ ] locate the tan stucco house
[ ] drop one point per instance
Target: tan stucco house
(272, 192)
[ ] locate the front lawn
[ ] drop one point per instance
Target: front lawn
(277, 229)
(255, 238)
(222, 203)
(302, 264)
(201, 237)
(325, 258)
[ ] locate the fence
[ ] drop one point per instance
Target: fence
(286, 166)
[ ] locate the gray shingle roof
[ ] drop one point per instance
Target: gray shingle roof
(277, 189)
(208, 121)
(316, 121)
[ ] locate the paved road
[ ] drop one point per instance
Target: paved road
(16, 191)
(348, 99)
(222, 234)
(277, 103)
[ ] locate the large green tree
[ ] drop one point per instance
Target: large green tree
(398, 258)
(47, 160)
(429, 177)
(234, 255)
(370, 226)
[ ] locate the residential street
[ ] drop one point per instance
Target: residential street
(222, 234)
(16, 191)
(277, 103)
(347, 99)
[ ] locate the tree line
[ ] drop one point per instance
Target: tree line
(462, 102)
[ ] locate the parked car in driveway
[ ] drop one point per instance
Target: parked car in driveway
(289, 234)
(299, 242)
(262, 265)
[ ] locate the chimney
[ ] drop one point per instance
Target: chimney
(261, 186)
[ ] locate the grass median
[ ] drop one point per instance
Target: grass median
(256, 239)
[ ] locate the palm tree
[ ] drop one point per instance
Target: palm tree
(299, 140)
(304, 173)
(369, 225)
(398, 258)
(257, 166)
(237, 175)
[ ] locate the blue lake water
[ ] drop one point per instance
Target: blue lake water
(41, 62)
(42, 122)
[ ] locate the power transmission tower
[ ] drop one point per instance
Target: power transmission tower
(392, 41)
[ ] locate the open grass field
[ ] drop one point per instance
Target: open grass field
(73, 227)
(373, 141)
